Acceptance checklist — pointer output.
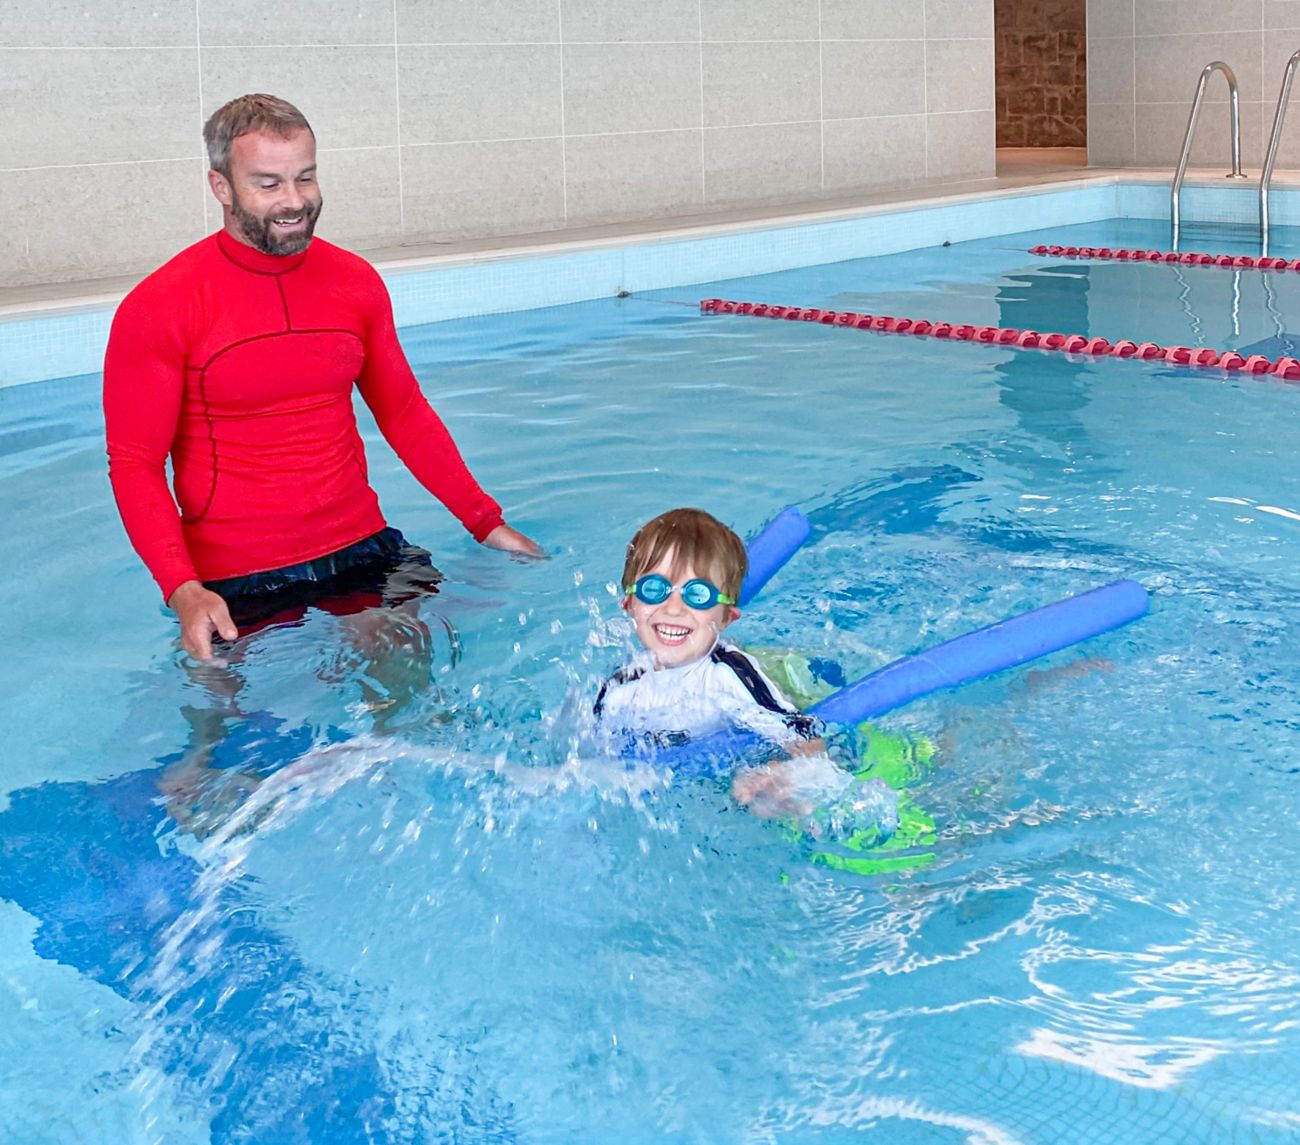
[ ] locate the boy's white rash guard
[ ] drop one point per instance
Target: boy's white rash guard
(725, 689)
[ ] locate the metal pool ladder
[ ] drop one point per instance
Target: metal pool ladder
(1234, 123)
(1270, 156)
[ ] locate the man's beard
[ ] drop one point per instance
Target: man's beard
(260, 231)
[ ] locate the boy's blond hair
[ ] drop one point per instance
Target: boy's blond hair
(695, 538)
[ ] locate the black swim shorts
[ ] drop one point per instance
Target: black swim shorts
(382, 569)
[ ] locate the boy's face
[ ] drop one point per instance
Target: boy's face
(673, 632)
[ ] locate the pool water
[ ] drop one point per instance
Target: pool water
(460, 925)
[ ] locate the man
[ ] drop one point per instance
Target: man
(237, 358)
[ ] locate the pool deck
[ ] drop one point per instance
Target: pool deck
(1018, 170)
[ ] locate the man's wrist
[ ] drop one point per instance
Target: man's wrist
(184, 589)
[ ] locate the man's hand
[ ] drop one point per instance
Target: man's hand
(510, 540)
(201, 612)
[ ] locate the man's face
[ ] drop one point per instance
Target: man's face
(271, 199)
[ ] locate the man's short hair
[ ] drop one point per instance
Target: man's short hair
(695, 538)
(245, 113)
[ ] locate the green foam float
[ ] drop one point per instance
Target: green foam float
(901, 762)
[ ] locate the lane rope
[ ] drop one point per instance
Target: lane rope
(1287, 369)
(1180, 258)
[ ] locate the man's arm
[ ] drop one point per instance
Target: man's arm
(143, 385)
(419, 437)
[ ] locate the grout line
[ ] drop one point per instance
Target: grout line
(397, 109)
(198, 95)
(378, 45)
(914, 115)
(821, 95)
(925, 95)
(564, 127)
(704, 177)
(1133, 131)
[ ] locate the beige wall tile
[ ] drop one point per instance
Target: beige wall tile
(1111, 75)
(1110, 18)
(81, 24)
(362, 190)
(600, 22)
(872, 20)
(1167, 71)
(1288, 152)
(865, 79)
(958, 19)
(612, 177)
(443, 92)
(874, 152)
(1278, 50)
(67, 107)
(1110, 135)
(959, 75)
(140, 214)
(615, 88)
(1282, 14)
(772, 161)
(458, 189)
(478, 22)
(1174, 17)
(223, 22)
(1160, 128)
(760, 83)
(726, 20)
(656, 118)
(349, 95)
(961, 144)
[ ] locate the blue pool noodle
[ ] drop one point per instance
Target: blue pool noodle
(986, 650)
(775, 544)
(958, 661)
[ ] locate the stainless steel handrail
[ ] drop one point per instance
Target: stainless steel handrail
(1234, 125)
(1270, 156)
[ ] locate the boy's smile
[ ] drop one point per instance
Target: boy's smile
(672, 632)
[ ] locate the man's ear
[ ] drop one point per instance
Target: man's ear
(220, 188)
(732, 614)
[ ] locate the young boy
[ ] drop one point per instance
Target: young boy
(681, 582)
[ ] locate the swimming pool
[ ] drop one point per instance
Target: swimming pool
(424, 938)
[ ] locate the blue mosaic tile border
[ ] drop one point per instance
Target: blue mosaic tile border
(62, 345)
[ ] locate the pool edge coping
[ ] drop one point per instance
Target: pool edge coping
(60, 338)
(543, 247)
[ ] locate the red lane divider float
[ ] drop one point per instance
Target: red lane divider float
(1287, 369)
(1181, 258)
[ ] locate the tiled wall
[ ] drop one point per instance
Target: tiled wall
(1144, 57)
(1042, 93)
(442, 119)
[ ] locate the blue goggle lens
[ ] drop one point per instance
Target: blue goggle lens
(696, 593)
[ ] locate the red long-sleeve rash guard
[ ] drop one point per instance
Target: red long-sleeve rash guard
(240, 365)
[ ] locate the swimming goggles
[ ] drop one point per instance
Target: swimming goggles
(699, 594)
